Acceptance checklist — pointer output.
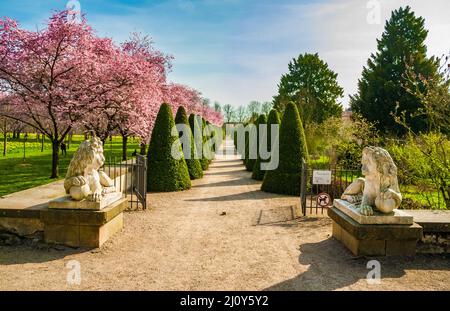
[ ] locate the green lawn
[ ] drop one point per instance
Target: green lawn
(424, 198)
(17, 173)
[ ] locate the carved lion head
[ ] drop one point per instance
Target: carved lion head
(378, 160)
(88, 156)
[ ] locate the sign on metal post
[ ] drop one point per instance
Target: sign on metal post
(321, 177)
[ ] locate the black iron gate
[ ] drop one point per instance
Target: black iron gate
(140, 186)
(317, 197)
(130, 177)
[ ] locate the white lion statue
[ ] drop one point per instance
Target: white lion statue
(379, 189)
(83, 179)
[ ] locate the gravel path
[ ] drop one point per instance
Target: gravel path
(223, 234)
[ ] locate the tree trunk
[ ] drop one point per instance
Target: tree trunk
(445, 190)
(42, 144)
(5, 137)
(55, 158)
(124, 147)
(143, 149)
(70, 140)
(5, 141)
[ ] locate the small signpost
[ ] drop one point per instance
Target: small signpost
(321, 177)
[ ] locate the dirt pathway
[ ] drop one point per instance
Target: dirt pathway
(184, 242)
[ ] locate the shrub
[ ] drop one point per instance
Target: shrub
(192, 161)
(251, 144)
(196, 124)
(274, 118)
(349, 154)
(206, 155)
(248, 145)
(257, 173)
(292, 145)
(209, 133)
(422, 160)
(165, 173)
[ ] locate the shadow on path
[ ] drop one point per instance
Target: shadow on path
(24, 254)
(249, 195)
(332, 266)
(230, 183)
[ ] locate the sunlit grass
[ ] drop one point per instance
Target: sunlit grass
(19, 173)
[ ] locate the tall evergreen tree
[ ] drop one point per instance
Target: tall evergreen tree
(313, 87)
(382, 89)
(193, 163)
(165, 173)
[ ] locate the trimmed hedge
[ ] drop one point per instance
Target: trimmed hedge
(193, 163)
(274, 118)
(246, 146)
(208, 137)
(205, 161)
(165, 173)
(258, 174)
(292, 145)
(250, 144)
(196, 124)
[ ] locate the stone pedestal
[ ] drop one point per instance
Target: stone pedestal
(83, 228)
(68, 203)
(396, 235)
(396, 217)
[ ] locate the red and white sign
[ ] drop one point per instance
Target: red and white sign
(323, 199)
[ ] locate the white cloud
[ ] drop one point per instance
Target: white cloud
(348, 39)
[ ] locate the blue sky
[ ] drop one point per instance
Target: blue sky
(235, 51)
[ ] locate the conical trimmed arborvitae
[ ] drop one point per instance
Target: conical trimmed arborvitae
(210, 137)
(292, 149)
(246, 153)
(205, 161)
(258, 174)
(252, 144)
(195, 124)
(165, 173)
(192, 161)
(273, 119)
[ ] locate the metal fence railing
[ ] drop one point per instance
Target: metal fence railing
(339, 179)
(130, 177)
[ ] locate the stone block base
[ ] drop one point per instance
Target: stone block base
(374, 240)
(82, 228)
